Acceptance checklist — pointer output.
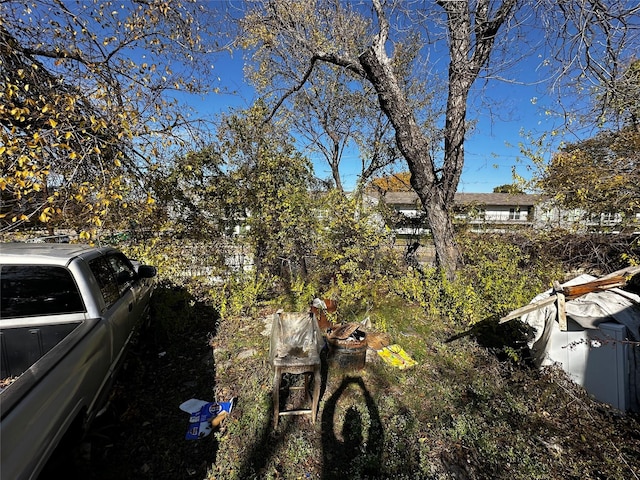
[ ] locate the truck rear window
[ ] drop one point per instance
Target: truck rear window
(31, 290)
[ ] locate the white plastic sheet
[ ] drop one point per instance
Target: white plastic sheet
(587, 312)
(294, 334)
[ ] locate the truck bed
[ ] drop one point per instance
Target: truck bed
(28, 353)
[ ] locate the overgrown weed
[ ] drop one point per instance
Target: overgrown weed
(459, 413)
(471, 408)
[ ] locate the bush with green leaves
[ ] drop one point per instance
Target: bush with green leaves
(503, 274)
(241, 293)
(355, 253)
(497, 276)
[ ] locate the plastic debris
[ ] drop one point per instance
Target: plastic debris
(323, 310)
(395, 356)
(205, 416)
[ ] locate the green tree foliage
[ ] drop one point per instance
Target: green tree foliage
(195, 196)
(500, 273)
(272, 184)
(353, 239)
(88, 98)
(598, 175)
(354, 254)
(601, 174)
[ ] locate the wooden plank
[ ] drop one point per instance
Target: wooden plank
(528, 308)
(612, 280)
(562, 312)
(300, 411)
(624, 272)
(574, 291)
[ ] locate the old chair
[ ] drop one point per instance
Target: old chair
(295, 348)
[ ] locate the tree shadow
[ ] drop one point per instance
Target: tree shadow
(169, 361)
(356, 455)
(267, 444)
(506, 341)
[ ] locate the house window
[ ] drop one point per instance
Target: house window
(514, 214)
(608, 218)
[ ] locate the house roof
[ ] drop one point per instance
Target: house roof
(501, 199)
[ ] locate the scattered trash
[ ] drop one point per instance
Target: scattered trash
(205, 416)
(366, 323)
(588, 326)
(347, 346)
(322, 310)
(296, 343)
(377, 341)
(395, 356)
(349, 332)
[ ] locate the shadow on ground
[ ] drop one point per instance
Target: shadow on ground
(141, 433)
(352, 436)
(357, 451)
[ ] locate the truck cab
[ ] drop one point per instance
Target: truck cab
(67, 315)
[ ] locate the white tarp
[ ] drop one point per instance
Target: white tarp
(294, 334)
(588, 311)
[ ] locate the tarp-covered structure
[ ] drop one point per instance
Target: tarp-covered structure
(600, 346)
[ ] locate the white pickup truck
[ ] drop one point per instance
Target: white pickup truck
(67, 314)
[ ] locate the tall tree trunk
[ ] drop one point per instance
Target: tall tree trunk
(472, 29)
(413, 144)
(439, 218)
(470, 44)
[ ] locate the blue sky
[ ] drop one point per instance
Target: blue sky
(491, 150)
